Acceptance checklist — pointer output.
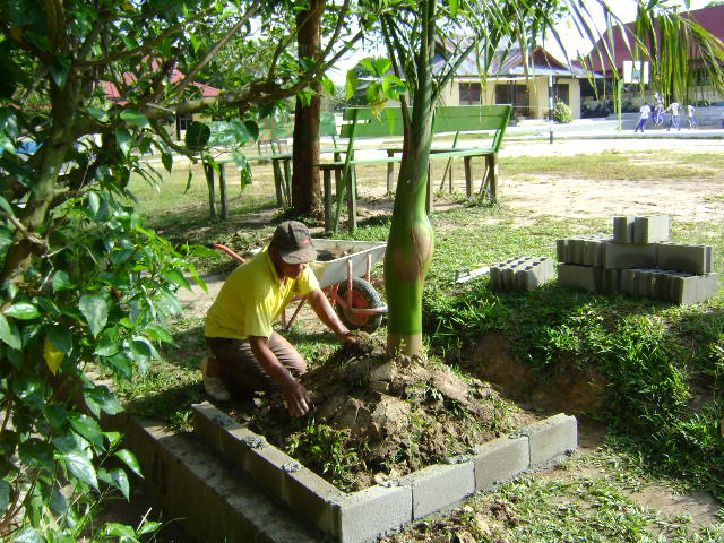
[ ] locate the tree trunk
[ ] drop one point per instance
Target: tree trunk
(306, 192)
(410, 244)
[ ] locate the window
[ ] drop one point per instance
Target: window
(516, 95)
(469, 94)
(561, 92)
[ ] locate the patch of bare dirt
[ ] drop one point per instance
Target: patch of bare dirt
(377, 417)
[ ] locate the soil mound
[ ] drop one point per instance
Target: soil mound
(377, 417)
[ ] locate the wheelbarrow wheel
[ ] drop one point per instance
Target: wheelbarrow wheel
(364, 296)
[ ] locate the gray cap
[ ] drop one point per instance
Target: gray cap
(293, 243)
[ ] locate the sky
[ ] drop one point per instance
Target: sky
(624, 9)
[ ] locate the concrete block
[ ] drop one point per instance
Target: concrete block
(623, 229)
(652, 229)
(562, 250)
(208, 501)
(551, 438)
(522, 273)
(610, 280)
(315, 499)
(266, 466)
(439, 486)
(222, 434)
(366, 514)
(691, 289)
(583, 277)
(500, 460)
(629, 255)
(694, 259)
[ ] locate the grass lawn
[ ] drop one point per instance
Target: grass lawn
(664, 364)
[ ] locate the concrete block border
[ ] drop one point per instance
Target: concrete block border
(363, 516)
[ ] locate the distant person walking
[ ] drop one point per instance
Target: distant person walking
(691, 110)
(658, 110)
(674, 109)
(644, 112)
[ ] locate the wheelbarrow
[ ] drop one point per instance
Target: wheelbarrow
(343, 269)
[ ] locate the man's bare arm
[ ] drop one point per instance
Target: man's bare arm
(295, 394)
(319, 302)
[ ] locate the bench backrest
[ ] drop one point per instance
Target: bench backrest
(360, 122)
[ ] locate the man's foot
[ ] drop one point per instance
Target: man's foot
(213, 385)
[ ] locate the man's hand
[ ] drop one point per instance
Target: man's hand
(347, 337)
(297, 399)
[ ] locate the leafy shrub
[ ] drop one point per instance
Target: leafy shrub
(561, 112)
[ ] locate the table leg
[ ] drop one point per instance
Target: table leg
(209, 171)
(468, 176)
(222, 192)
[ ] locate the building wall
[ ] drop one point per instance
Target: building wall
(537, 94)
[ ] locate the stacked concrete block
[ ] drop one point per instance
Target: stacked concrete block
(639, 260)
(363, 516)
(521, 273)
(641, 229)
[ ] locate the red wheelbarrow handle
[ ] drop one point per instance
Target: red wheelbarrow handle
(224, 248)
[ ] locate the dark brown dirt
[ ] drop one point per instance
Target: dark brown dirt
(377, 417)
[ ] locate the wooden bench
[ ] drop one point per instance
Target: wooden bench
(360, 124)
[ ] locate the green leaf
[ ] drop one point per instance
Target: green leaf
(28, 535)
(126, 533)
(22, 311)
(60, 337)
(87, 427)
(124, 139)
(37, 454)
(4, 496)
(158, 333)
(95, 311)
(328, 86)
(59, 70)
(118, 478)
(79, 465)
(130, 460)
(136, 118)
(197, 135)
(167, 160)
(453, 8)
(114, 438)
(61, 281)
(58, 503)
(105, 399)
(148, 527)
(5, 206)
(97, 113)
(9, 333)
(109, 342)
(94, 202)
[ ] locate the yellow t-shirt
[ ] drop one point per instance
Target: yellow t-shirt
(253, 297)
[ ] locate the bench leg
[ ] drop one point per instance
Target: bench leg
(222, 193)
(490, 177)
(278, 184)
(351, 202)
(328, 200)
(390, 172)
(288, 179)
(209, 171)
(468, 176)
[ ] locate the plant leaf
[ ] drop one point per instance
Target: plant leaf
(53, 357)
(81, 467)
(28, 535)
(22, 311)
(4, 496)
(136, 118)
(118, 478)
(9, 333)
(130, 460)
(95, 311)
(61, 281)
(87, 427)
